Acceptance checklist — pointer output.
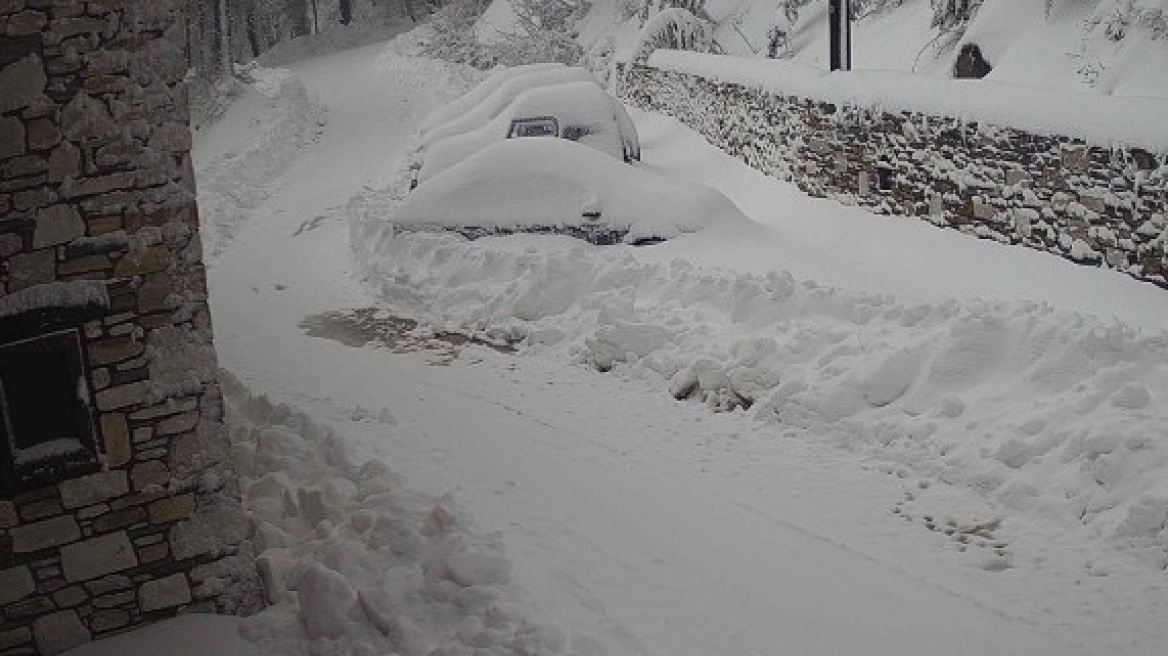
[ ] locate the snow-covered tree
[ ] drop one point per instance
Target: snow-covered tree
(673, 28)
(953, 14)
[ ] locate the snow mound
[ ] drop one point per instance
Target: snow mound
(353, 562)
(1046, 412)
(234, 167)
(555, 185)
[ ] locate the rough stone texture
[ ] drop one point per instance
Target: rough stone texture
(44, 534)
(96, 184)
(97, 557)
(164, 593)
(56, 225)
(1046, 192)
(93, 489)
(59, 632)
(15, 584)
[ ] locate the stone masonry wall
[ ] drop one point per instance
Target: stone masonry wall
(97, 189)
(1090, 204)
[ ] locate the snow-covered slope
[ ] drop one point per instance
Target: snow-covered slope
(1117, 47)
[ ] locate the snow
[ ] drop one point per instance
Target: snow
(1066, 51)
(500, 98)
(522, 184)
(582, 107)
(55, 295)
(468, 100)
(1105, 120)
(186, 635)
(949, 441)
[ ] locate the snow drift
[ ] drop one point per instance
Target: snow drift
(1046, 412)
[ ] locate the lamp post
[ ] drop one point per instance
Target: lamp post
(840, 28)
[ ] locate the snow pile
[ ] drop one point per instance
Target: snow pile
(1046, 412)
(353, 562)
(235, 170)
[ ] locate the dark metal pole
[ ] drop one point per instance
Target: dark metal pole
(840, 28)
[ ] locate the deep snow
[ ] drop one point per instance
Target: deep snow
(920, 470)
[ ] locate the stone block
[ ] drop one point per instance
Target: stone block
(24, 83)
(84, 264)
(8, 517)
(43, 134)
(114, 599)
(64, 162)
(15, 638)
(44, 534)
(12, 135)
(108, 584)
(57, 224)
(116, 435)
(164, 593)
(28, 269)
(104, 621)
(111, 351)
(153, 553)
(15, 584)
(136, 263)
(172, 509)
(10, 245)
(25, 23)
(177, 424)
(40, 509)
(122, 396)
(98, 556)
(71, 596)
(118, 519)
(97, 185)
(59, 632)
(95, 488)
(149, 473)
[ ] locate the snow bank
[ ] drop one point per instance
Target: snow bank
(553, 186)
(233, 167)
(1046, 412)
(1106, 120)
(353, 562)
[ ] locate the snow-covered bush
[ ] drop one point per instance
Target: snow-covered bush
(1115, 18)
(673, 28)
(950, 15)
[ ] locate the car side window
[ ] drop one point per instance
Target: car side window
(545, 126)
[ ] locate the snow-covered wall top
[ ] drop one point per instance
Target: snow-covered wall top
(1092, 204)
(1100, 120)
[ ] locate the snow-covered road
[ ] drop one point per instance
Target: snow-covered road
(637, 523)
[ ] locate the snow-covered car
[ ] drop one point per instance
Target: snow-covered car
(576, 111)
(468, 100)
(562, 187)
(497, 100)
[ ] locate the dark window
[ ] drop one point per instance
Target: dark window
(885, 177)
(534, 127)
(46, 423)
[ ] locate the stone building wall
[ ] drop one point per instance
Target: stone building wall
(139, 519)
(1093, 205)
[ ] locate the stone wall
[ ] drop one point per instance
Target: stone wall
(99, 234)
(1094, 205)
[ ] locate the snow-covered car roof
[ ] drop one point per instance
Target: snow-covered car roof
(557, 186)
(497, 100)
(468, 100)
(583, 111)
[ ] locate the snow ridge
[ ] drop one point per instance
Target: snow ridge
(1043, 411)
(353, 562)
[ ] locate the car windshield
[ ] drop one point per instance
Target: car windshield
(534, 127)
